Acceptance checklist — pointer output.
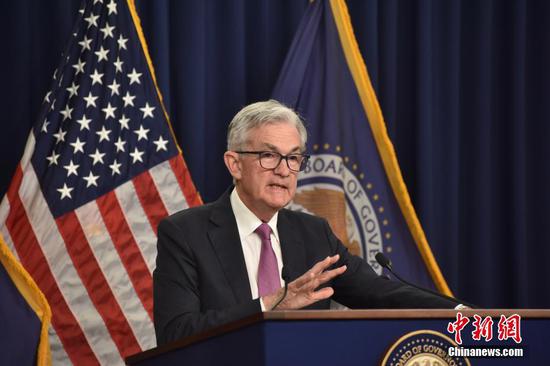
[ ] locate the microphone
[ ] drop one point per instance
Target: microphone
(386, 263)
(285, 277)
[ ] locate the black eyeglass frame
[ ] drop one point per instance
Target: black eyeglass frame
(303, 163)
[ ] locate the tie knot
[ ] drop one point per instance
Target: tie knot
(263, 231)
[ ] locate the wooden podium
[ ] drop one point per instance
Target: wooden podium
(351, 337)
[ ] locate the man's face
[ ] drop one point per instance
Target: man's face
(266, 191)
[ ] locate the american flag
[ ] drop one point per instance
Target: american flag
(100, 169)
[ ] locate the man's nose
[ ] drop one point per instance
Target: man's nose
(282, 169)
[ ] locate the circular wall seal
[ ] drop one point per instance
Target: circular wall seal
(328, 188)
(423, 348)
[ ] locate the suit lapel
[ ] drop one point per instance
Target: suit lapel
(292, 247)
(226, 242)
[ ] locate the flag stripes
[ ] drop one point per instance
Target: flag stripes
(127, 249)
(33, 259)
(59, 356)
(99, 172)
(91, 228)
(94, 280)
(6, 234)
(192, 197)
(140, 227)
(109, 212)
(148, 196)
(110, 263)
(171, 193)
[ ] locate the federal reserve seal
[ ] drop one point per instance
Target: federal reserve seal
(330, 189)
(423, 348)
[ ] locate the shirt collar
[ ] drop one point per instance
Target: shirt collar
(247, 222)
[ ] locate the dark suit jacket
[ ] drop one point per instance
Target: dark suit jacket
(201, 280)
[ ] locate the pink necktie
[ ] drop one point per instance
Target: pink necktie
(268, 271)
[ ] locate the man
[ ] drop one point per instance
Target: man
(226, 260)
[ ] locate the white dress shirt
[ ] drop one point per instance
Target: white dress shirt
(251, 243)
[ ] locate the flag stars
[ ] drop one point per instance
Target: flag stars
(53, 159)
(90, 100)
(91, 180)
(85, 44)
(120, 144)
(124, 122)
(115, 167)
(79, 67)
(78, 146)
(122, 42)
(92, 20)
(102, 54)
(107, 31)
(73, 90)
(141, 133)
(134, 76)
(137, 156)
(60, 136)
(147, 111)
(45, 126)
(67, 112)
(128, 99)
(103, 134)
(97, 157)
(161, 144)
(65, 191)
(47, 97)
(96, 77)
(112, 7)
(118, 65)
(71, 168)
(114, 88)
(109, 111)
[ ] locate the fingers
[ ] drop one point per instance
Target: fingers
(316, 281)
(322, 294)
(303, 291)
(324, 264)
(316, 270)
(299, 300)
(317, 275)
(329, 275)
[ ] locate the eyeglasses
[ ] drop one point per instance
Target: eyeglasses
(271, 160)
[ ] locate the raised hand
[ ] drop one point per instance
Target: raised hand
(303, 290)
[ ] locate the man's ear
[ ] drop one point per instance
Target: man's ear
(233, 164)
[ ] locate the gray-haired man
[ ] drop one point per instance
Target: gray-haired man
(223, 261)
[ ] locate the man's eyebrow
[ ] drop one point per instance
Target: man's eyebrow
(275, 148)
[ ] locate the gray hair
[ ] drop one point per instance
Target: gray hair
(259, 114)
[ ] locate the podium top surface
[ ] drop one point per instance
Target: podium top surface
(329, 315)
(396, 313)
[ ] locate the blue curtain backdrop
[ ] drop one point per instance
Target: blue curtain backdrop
(464, 87)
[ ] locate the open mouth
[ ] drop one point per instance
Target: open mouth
(277, 186)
